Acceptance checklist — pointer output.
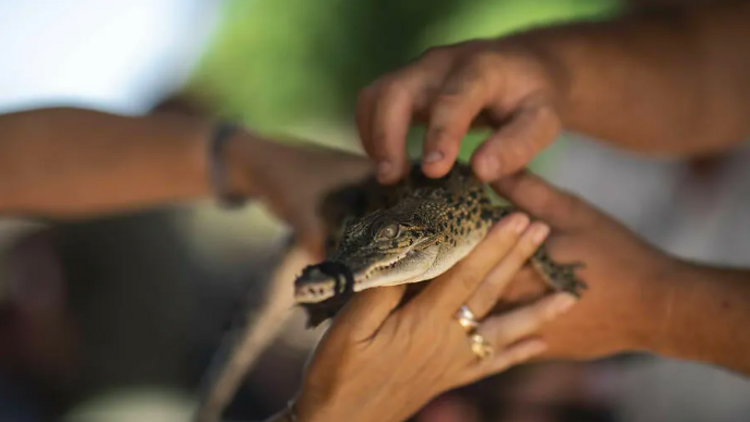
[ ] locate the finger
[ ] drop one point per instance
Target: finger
(513, 326)
(459, 102)
(363, 117)
(450, 290)
(391, 113)
(516, 354)
(532, 194)
(515, 144)
(367, 311)
(489, 291)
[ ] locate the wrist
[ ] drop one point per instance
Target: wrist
(654, 298)
(238, 160)
(550, 57)
(246, 158)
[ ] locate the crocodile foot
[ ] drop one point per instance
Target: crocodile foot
(560, 277)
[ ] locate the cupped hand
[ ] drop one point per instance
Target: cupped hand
(626, 305)
(504, 84)
(381, 363)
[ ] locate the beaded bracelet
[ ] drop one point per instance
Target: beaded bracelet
(221, 133)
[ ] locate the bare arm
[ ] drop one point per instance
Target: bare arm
(65, 162)
(706, 314)
(673, 80)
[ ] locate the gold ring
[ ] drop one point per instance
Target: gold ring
(480, 346)
(467, 319)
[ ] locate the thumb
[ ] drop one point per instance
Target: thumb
(530, 130)
(368, 310)
(560, 209)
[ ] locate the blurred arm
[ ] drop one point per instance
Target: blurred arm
(706, 315)
(65, 162)
(669, 81)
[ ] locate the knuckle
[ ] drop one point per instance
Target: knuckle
(391, 85)
(434, 53)
(481, 67)
(485, 58)
(483, 63)
(438, 134)
(448, 100)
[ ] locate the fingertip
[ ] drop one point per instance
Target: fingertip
(517, 222)
(539, 232)
(487, 167)
(439, 155)
(436, 169)
(561, 303)
(518, 353)
(388, 172)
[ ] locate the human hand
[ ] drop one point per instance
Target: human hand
(292, 180)
(380, 364)
(505, 84)
(626, 305)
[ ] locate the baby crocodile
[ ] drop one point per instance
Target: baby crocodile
(406, 233)
(377, 236)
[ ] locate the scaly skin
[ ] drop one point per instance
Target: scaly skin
(405, 234)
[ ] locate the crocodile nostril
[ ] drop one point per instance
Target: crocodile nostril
(321, 291)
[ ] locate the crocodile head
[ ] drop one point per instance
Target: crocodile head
(415, 240)
(388, 247)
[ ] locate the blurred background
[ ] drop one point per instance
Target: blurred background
(116, 319)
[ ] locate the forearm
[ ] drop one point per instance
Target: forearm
(673, 82)
(705, 315)
(67, 162)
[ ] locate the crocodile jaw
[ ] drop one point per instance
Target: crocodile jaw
(423, 264)
(411, 266)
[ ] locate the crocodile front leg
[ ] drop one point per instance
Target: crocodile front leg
(560, 277)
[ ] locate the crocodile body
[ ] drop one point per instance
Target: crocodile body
(408, 233)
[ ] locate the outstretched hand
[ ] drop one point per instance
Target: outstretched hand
(626, 305)
(495, 83)
(380, 364)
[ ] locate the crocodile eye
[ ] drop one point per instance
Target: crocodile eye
(389, 232)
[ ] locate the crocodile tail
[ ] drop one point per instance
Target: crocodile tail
(241, 348)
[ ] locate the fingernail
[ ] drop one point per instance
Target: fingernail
(564, 303)
(540, 233)
(520, 223)
(433, 157)
(384, 168)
